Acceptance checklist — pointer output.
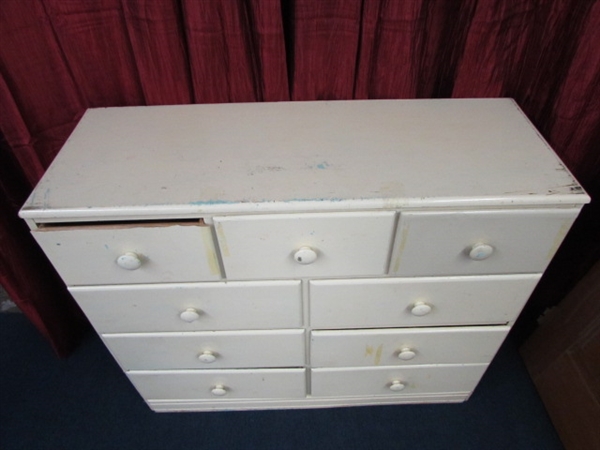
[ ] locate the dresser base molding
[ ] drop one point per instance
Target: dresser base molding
(307, 403)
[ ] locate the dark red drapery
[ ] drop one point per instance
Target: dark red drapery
(59, 57)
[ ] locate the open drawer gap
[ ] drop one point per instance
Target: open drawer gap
(106, 225)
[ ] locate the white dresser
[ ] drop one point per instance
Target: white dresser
(307, 254)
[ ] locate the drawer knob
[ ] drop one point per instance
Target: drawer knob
(406, 354)
(129, 261)
(420, 309)
(190, 315)
(479, 252)
(218, 390)
(397, 386)
(207, 357)
(305, 255)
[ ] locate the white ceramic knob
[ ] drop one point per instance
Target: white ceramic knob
(129, 261)
(406, 354)
(479, 252)
(305, 255)
(218, 390)
(207, 357)
(397, 386)
(420, 309)
(190, 315)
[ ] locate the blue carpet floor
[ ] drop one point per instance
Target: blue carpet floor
(85, 402)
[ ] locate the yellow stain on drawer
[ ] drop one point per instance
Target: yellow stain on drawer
(222, 240)
(403, 239)
(369, 351)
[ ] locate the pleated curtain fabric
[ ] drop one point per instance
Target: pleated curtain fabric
(59, 57)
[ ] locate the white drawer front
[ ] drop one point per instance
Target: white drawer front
(305, 245)
(165, 253)
(478, 242)
(192, 306)
(412, 346)
(208, 350)
(390, 302)
(399, 382)
(226, 384)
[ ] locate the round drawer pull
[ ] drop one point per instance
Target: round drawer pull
(397, 386)
(207, 357)
(481, 251)
(218, 390)
(305, 255)
(420, 309)
(190, 315)
(129, 261)
(406, 354)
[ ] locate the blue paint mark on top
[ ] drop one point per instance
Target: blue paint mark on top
(324, 165)
(212, 202)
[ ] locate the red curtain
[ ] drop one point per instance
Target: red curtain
(59, 57)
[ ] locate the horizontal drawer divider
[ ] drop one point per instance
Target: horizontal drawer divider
(205, 333)
(215, 371)
(408, 327)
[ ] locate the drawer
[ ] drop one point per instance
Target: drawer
(207, 350)
(478, 242)
(220, 384)
(305, 245)
(192, 306)
(390, 381)
(409, 346)
(415, 302)
(131, 253)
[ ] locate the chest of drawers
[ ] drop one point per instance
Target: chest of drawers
(310, 254)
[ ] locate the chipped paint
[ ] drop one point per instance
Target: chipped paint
(262, 169)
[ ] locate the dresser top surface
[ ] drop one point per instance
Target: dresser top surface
(220, 158)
